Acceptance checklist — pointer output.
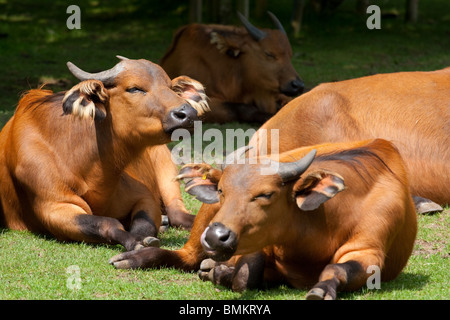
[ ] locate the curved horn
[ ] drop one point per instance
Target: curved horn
(276, 22)
(254, 32)
(107, 77)
(293, 170)
(235, 155)
(122, 58)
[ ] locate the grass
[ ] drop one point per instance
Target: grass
(34, 47)
(37, 267)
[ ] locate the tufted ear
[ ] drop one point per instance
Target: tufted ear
(201, 181)
(226, 45)
(86, 100)
(316, 188)
(193, 92)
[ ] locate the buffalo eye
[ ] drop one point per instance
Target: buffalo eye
(270, 55)
(267, 196)
(135, 90)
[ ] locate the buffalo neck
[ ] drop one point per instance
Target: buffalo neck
(115, 152)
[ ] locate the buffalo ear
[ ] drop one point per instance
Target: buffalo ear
(204, 193)
(225, 45)
(316, 188)
(201, 181)
(86, 100)
(193, 92)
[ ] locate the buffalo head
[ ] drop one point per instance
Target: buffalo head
(138, 98)
(253, 206)
(275, 53)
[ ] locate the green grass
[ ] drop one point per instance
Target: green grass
(36, 267)
(34, 47)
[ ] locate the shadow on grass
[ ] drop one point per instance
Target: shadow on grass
(53, 240)
(174, 238)
(405, 282)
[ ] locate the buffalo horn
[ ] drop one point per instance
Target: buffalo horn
(293, 170)
(233, 156)
(107, 77)
(254, 32)
(276, 22)
(122, 58)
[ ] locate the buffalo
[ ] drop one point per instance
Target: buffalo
(247, 71)
(90, 164)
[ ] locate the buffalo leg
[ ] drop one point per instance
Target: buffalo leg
(145, 220)
(334, 278)
(133, 200)
(70, 222)
(348, 273)
(246, 273)
(97, 229)
(178, 216)
(144, 228)
(187, 258)
(156, 163)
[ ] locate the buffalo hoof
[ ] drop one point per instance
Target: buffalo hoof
(215, 272)
(324, 290)
(148, 257)
(147, 242)
(164, 224)
(206, 272)
(151, 242)
(180, 219)
(318, 294)
(424, 206)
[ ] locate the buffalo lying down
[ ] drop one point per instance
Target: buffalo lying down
(247, 72)
(322, 221)
(90, 164)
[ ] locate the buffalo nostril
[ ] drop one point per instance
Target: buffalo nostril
(180, 115)
(220, 240)
(224, 237)
(184, 113)
(297, 85)
(293, 88)
(222, 234)
(219, 237)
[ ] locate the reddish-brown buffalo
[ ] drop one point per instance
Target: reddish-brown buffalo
(410, 109)
(247, 72)
(90, 164)
(325, 223)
